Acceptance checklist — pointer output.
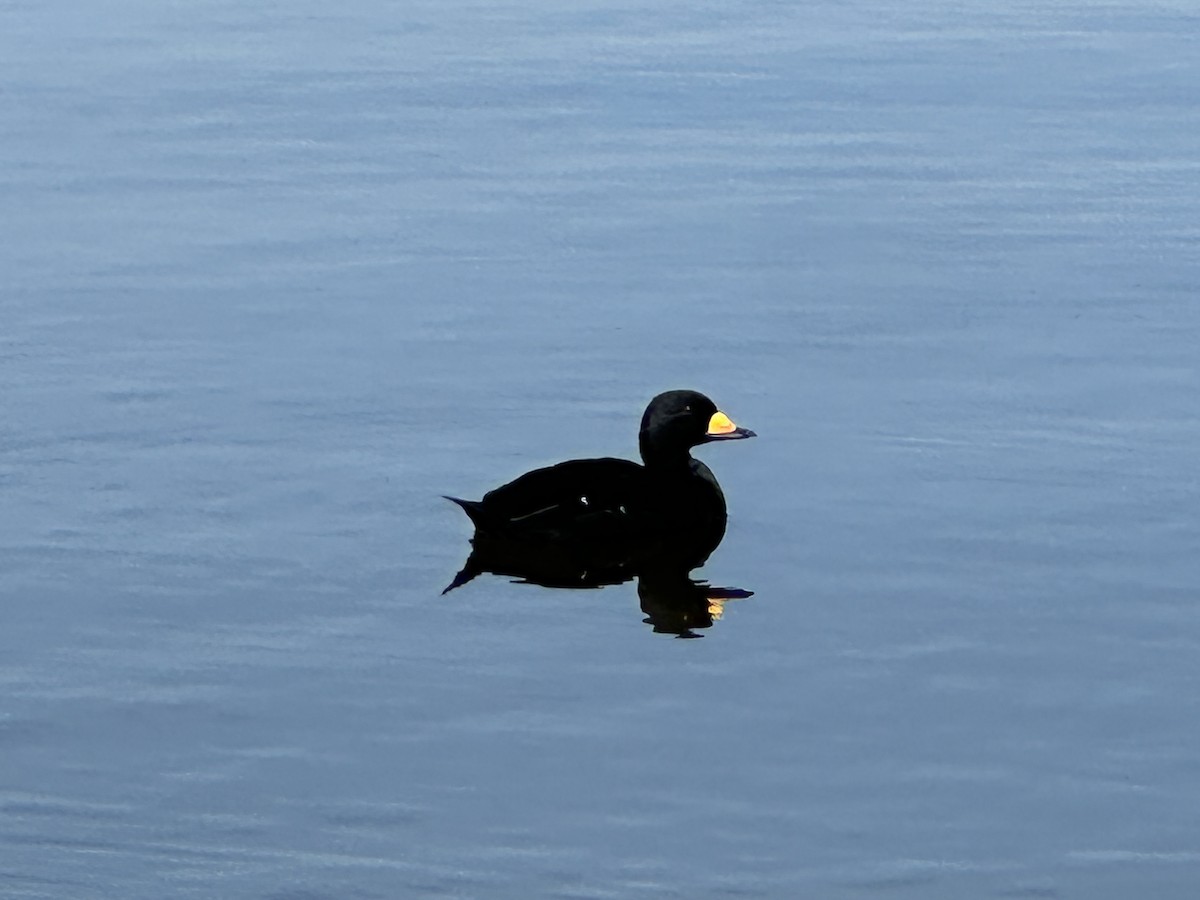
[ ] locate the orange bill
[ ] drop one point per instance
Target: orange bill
(721, 427)
(721, 424)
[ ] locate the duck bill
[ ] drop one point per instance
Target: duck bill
(721, 428)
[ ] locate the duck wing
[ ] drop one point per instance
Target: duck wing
(577, 494)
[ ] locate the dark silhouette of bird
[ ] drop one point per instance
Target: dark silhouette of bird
(587, 522)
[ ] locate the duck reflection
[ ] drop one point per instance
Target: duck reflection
(588, 523)
(675, 603)
(672, 601)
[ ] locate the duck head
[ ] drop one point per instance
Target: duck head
(676, 421)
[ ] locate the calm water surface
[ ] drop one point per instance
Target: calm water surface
(277, 275)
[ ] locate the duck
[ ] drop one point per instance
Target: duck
(614, 509)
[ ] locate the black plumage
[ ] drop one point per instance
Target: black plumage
(603, 515)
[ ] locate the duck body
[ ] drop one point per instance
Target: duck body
(609, 511)
(577, 497)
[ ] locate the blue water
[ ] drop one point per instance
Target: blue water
(278, 275)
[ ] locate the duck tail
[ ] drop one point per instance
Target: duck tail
(473, 508)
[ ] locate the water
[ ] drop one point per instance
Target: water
(279, 275)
